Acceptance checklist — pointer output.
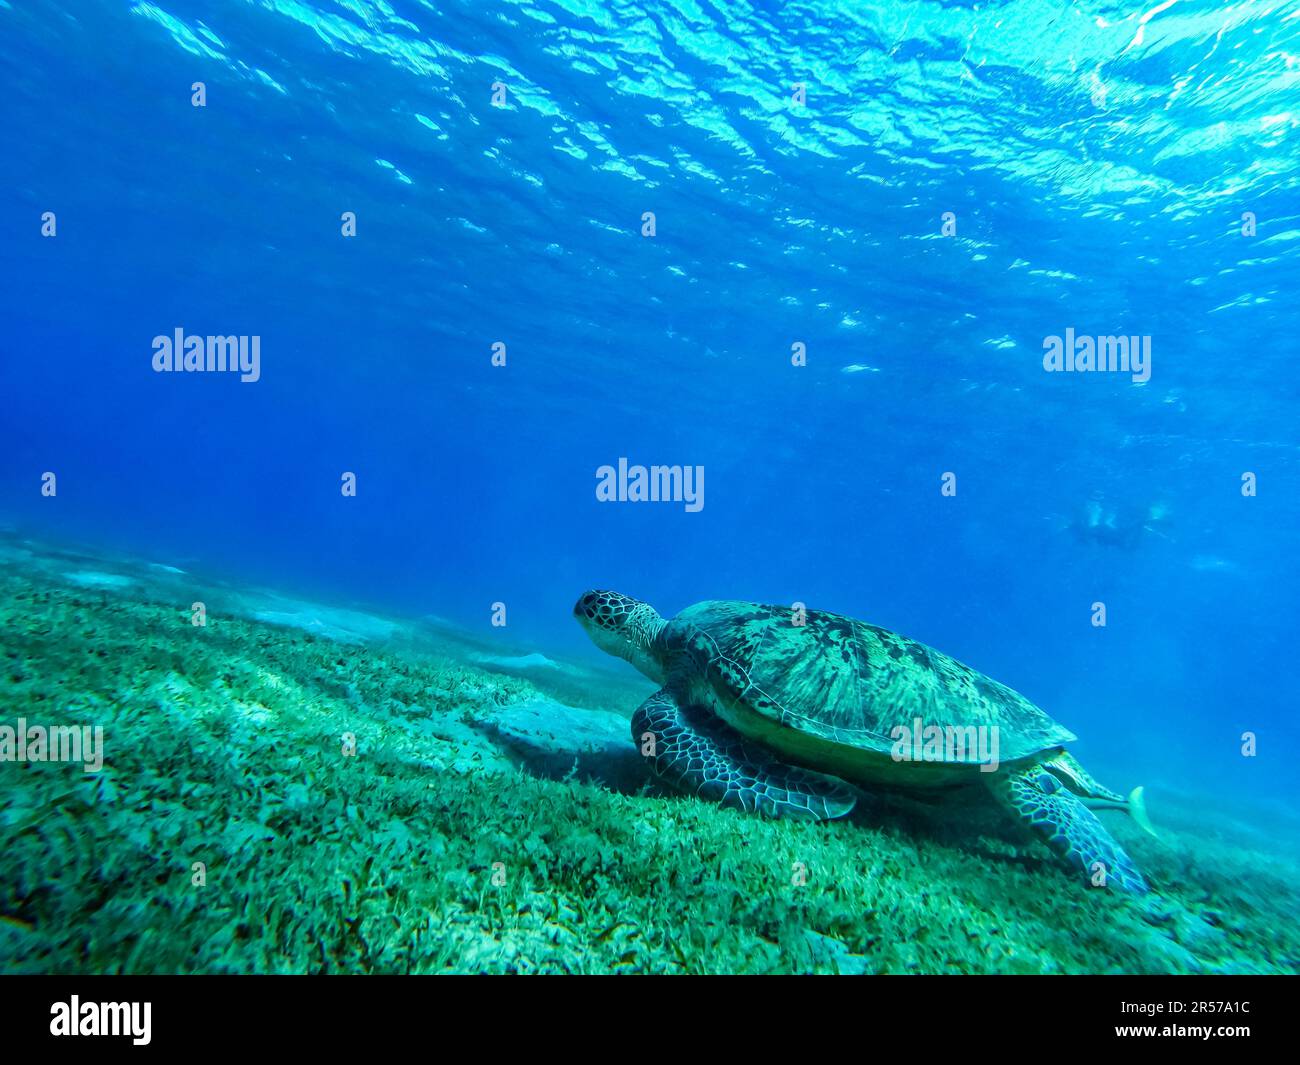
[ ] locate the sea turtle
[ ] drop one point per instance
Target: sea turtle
(774, 709)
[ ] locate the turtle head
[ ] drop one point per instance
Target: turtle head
(622, 626)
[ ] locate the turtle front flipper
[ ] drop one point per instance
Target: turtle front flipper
(1068, 826)
(690, 749)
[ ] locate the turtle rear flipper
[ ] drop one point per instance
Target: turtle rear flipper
(1068, 826)
(1096, 795)
(690, 749)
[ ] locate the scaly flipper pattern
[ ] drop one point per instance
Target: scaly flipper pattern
(691, 750)
(1067, 825)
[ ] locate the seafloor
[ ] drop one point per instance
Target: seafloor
(495, 818)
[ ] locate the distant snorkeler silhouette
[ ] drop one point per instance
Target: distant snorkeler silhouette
(1099, 524)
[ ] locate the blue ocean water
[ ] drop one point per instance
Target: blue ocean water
(959, 182)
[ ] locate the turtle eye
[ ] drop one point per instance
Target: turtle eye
(594, 607)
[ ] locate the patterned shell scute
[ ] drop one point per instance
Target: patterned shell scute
(850, 682)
